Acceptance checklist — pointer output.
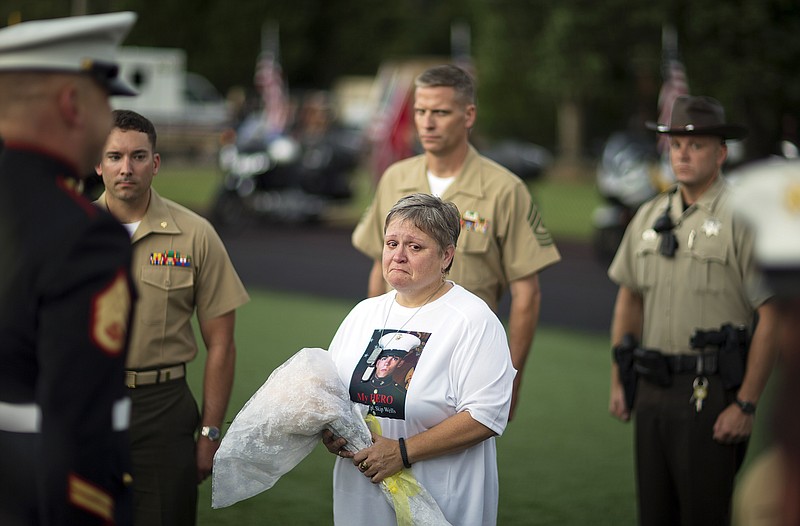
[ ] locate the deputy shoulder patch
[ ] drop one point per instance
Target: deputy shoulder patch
(110, 314)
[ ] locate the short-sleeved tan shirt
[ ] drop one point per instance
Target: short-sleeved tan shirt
(502, 235)
(179, 266)
(712, 280)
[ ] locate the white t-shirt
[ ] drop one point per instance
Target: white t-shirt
(463, 364)
(439, 184)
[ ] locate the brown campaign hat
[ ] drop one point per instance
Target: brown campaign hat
(698, 116)
(78, 44)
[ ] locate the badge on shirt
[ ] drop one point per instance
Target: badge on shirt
(171, 258)
(711, 227)
(649, 235)
(109, 319)
(472, 221)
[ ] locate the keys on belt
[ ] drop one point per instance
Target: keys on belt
(699, 392)
(154, 376)
(699, 386)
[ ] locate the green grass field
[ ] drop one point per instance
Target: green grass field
(562, 461)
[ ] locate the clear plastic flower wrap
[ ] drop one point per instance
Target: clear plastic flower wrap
(276, 430)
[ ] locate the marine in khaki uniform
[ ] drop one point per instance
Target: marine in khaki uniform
(65, 287)
(503, 243)
(181, 268)
(689, 292)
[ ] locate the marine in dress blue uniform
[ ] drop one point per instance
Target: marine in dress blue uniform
(65, 288)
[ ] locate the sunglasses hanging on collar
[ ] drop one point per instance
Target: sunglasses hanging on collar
(664, 227)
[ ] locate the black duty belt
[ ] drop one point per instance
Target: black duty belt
(683, 363)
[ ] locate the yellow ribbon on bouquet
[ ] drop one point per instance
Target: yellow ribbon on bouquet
(401, 486)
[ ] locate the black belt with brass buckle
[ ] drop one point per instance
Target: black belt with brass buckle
(135, 379)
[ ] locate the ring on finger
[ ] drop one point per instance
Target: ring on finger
(363, 466)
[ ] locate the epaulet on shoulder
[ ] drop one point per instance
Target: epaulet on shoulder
(671, 189)
(177, 207)
(666, 193)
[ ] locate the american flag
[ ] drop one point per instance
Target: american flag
(675, 83)
(269, 81)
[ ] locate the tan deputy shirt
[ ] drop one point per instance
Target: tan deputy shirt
(502, 235)
(179, 265)
(712, 280)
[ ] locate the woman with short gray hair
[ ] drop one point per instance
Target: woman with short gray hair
(448, 396)
(439, 219)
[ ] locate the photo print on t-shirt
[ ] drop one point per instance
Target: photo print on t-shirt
(384, 372)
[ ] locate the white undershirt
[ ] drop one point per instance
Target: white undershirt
(439, 184)
(131, 227)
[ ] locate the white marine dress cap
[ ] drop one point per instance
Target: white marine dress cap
(79, 44)
(767, 194)
(400, 342)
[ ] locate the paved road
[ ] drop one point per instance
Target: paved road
(320, 260)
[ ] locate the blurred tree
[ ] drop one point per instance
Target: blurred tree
(538, 61)
(566, 64)
(746, 53)
(600, 63)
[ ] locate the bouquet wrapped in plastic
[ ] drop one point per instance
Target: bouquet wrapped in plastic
(276, 430)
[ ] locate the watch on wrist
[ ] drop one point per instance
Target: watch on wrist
(210, 432)
(747, 408)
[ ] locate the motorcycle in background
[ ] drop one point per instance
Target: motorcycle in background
(629, 173)
(524, 159)
(283, 178)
